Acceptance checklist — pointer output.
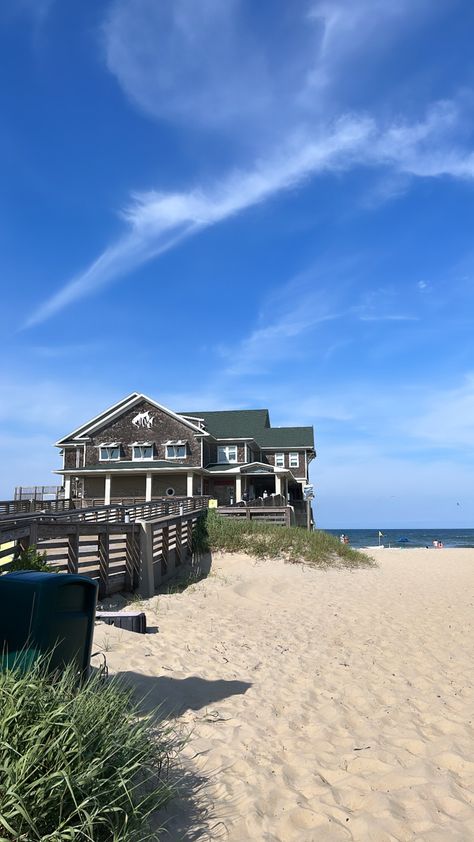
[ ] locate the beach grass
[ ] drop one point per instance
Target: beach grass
(263, 540)
(78, 762)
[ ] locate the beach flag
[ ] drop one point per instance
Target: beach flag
(381, 535)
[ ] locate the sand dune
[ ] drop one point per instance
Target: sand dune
(324, 705)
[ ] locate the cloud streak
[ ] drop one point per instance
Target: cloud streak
(161, 56)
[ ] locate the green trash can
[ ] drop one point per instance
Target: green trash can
(47, 614)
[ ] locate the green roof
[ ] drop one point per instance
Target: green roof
(221, 467)
(287, 437)
(255, 424)
(235, 423)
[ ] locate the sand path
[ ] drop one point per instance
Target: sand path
(325, 705)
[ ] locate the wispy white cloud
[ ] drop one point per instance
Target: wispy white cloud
(36, 10)
(199, 61)
(447, 419)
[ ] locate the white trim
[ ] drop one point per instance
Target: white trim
(148, 487)
(235, 438)
(228, 461)
(238, 488)
(170, 458)
(285, 448)
(297, 463)
(109, 458)
(143, 458)
(128, 470)
(107, 489)
(103, 413)
(189, 483)
(137, 399)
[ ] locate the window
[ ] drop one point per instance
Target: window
(294, 460)
(279, 460)
(109, 452)
(176, 450)
(170, 492)
(227, 453)
(142, 451)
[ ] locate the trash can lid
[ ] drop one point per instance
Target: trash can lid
(34, 576)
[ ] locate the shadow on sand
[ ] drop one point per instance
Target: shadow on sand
(173, 696)
(193, 815)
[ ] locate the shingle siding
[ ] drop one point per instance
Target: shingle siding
(165, 428)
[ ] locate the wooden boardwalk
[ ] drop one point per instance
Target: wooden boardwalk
(111, 544)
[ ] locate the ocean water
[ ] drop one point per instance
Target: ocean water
(416, 537)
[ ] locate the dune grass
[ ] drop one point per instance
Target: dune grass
(78, 763)
(263, 540)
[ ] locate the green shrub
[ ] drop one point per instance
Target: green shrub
(263, 540)
(77, 763)
(31, 559)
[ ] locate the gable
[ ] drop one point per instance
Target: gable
(140, 411)
(142, 422)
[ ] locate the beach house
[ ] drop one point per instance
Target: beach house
(138, 449)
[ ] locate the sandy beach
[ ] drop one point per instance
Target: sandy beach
(321, 705)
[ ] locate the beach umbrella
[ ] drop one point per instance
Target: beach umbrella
(403, 540)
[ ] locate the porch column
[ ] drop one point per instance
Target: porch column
(189, 483)
(277, 484)
(238, 488)
(148, 486)
(107, 490)
(67, 488)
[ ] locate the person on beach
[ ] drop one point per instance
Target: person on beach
(342, 538)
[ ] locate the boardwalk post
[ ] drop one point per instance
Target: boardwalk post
(132, 559)
(73, 552)
(189, 537)
(146, 583)
(103, 564)
(165, 549)
(178, 555)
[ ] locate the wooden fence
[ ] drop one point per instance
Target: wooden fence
(123, 548)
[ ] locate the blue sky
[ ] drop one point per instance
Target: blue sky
(231, 204)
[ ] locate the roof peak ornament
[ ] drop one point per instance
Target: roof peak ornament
(144, 420)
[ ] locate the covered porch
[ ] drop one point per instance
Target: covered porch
(249, 482)
(112, 486)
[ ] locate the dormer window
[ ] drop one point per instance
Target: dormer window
(109, 452)
(142, 451)
(176, 449)
(227, 453)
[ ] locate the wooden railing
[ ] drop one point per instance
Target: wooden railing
(278, 515)
(13, 507)
(123, 548)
